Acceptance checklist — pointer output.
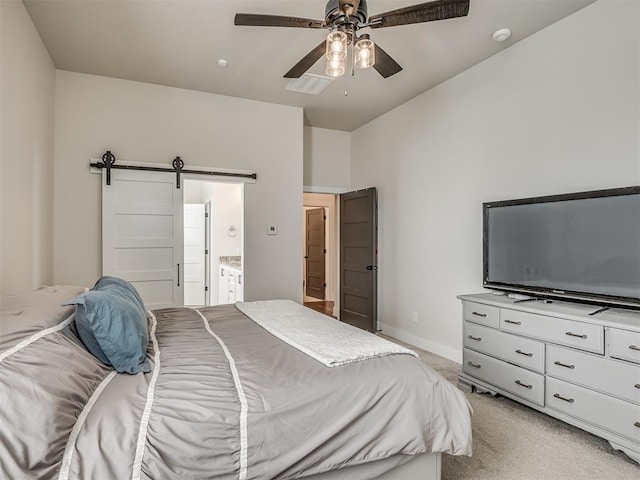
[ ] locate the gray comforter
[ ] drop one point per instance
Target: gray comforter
(224, 399)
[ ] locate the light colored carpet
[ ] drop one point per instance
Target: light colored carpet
(515, 442)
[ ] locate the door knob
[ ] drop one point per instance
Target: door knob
(372, 267)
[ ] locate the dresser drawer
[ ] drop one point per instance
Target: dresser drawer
(600, 373)
(585, 336)
(606, 412)
(482, 314)
(520, 382)
(512, 348)
(624, 344)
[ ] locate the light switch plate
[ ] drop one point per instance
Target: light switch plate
(272, 230)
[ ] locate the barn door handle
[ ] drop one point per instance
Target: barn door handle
(372, 267)
(178, 274)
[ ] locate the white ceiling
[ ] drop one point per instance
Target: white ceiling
(178, 42)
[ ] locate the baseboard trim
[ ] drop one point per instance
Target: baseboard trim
(452, 354)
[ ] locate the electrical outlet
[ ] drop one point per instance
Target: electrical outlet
(414, 317)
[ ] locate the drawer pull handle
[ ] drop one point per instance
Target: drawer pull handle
(637, 385)
(571, 334)
(474, 365)
(471, 337)
(524, 385)
(637, 424)
(564, 365)
(557, 395)
(524, 353)
(479, 314)
(512, 322)
(634, 347)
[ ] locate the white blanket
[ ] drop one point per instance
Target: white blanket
(323, 338)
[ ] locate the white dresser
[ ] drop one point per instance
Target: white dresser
(555, 357)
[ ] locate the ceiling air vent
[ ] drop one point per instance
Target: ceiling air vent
(309, 83)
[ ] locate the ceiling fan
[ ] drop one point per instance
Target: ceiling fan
(344, 18)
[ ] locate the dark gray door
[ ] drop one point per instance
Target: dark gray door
(358, 258)
(315, 253)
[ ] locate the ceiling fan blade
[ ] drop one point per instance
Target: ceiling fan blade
(425, 12)
(258, 20)
(385, 65)
(307, 61)
(352, 5)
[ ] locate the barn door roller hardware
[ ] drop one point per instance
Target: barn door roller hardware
(109, 163)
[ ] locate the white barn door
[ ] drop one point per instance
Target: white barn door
(194, 254)
(142, 235)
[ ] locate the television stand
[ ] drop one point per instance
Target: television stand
(559, 359)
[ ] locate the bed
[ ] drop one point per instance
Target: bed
(226, 396)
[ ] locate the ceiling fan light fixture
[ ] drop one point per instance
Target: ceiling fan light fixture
(336, 53)
(335, 66)
(365, 52)
(337, 44)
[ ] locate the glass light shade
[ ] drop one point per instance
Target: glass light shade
(335, 66)
(365, 53)
(337, 44)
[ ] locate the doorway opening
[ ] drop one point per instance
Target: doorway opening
(213, 242)
(321, 246)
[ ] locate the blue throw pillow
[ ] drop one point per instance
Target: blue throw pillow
(112, 323)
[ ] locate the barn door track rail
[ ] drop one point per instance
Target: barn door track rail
(109, 163)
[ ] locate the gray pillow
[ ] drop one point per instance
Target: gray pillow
(112, 323)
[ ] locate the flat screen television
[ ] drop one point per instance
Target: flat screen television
(580, 246)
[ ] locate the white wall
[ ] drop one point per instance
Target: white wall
(557, 112)
(327, 160)
(151, 123)
(227, 211)
(27, 93)
(226, 206)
